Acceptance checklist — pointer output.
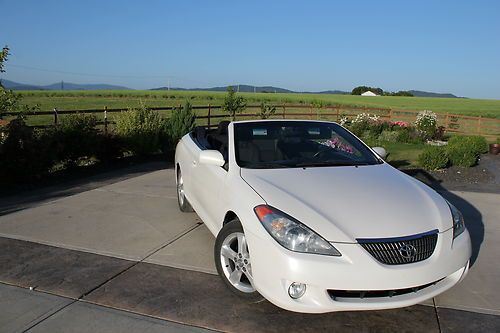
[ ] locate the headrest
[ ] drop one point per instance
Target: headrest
(222, 128)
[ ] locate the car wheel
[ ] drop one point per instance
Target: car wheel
(233, 263)
(184, 204)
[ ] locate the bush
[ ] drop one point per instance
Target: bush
(433, 158)
(389, 136)
(180, 123)
(462, 156)
(426, 124)
(26, 152)
(233, 104)
(408, 135)
(476, 143)
(76, 137)
(109, 147)
(141, 129)
(266, 110)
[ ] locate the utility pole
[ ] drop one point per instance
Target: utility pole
(168, 85)
(62, 85)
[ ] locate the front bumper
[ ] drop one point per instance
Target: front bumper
(275, 268)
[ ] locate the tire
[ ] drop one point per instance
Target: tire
(183, 202)
(232, 261)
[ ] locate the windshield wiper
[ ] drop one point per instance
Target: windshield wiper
(328, 163)
(269, 165)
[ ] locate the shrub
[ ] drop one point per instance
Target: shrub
(426, 123)
(26, 152)
(476, 143)
(180, 123)
(389, 136)
(233, 104)
(76, 137)
(141, 129)
(462, 156)
(408, 135)
(433, 158)
(108, 147)
(266, 110)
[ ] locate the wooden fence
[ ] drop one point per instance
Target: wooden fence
(211, 115)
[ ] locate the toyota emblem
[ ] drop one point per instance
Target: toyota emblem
(407, 251)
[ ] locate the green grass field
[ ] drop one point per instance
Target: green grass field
(73, 100)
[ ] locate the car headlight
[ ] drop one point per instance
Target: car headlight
(292, 234)
(458, 221)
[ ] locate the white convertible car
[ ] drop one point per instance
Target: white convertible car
(310, 218)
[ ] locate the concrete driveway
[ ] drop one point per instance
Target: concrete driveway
(124, 245)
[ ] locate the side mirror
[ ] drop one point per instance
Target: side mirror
(380, 152)
(211, 157)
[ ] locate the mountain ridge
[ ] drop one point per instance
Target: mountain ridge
(8, 84)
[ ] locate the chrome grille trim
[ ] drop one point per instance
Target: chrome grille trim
(387, 250)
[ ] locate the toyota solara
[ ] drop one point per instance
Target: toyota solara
(308, 217)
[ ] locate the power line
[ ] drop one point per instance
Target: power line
(88, 74)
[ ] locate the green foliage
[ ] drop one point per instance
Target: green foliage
(388, 136)
(408, 135)
(433, 158)
(233, 104)
(76, 137)
(362, 89)
(141, 129)
(462, 156)
(182, 121)
(4, 54)
(26, 152)
(476, 143)
(426, 124)
(266, 110)
(402, 93)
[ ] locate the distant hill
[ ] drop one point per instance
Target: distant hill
(57, 86)
(418, 93)
(242, 88)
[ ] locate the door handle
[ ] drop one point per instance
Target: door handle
(194, 162)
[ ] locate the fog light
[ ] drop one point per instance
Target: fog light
(296, 290)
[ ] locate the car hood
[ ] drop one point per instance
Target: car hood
(346, 203)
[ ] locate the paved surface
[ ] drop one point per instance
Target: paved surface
(120, 253)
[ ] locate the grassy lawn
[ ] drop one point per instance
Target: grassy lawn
(73, 100)
(403, 155)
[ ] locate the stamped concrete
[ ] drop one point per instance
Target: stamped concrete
(464, 321)
(193, 251)
(83, 317)
(58, 271)
(22, 308)
(203, 300)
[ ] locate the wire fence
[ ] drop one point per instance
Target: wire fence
(211, 115)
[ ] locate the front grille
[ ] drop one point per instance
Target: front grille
(401, 250)
(334, 294)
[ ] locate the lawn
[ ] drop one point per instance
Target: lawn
(73, 100)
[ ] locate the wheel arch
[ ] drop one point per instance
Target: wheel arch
(230, 215)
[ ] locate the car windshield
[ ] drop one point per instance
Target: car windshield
(291, 144)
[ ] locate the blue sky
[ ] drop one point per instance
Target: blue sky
(440, 46)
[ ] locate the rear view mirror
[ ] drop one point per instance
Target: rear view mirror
(211, 157)
(380, 152)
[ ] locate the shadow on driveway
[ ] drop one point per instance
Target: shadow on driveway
(472, 216)
(23, 198)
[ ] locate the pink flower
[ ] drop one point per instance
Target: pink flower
(402, 124)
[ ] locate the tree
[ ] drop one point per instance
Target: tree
(8, 100)
(233, 104)
(181, 121)
(362, 89)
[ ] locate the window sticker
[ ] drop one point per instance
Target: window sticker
(313, 131)
(259, 131)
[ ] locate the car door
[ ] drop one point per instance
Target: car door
(208, 181)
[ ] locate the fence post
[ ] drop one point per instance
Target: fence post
(55, 116)
(390, 115)
(106, 120)
(338, 114)
(479, 124)
(447, 121)
(208, 116)
(284, 112)
(310, 112)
